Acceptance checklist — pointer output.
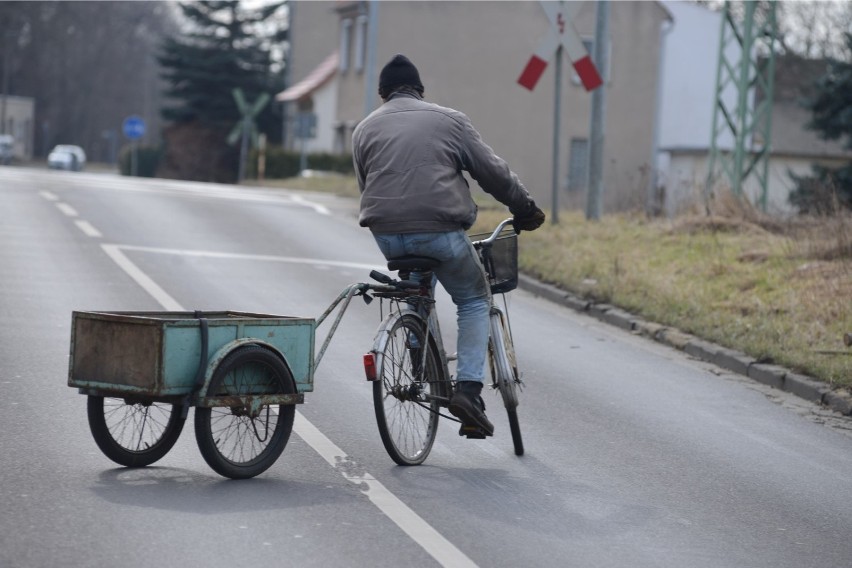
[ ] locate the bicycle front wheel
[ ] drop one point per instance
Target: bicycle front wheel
(504, 369)
(410, 378)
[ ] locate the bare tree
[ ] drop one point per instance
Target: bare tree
(88, 65)
(810, 29)
(815, 30)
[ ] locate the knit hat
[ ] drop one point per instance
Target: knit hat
(399, 71)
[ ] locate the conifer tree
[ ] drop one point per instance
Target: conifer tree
(225, 46)
(831, 106)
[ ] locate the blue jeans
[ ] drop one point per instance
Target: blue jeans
(461, 274)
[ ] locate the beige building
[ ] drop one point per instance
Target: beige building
(470, 55)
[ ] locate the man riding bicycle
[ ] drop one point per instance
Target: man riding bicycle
(409, 156)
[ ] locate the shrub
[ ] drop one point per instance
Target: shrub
(147, 160)
(281, 164)
(826, 192)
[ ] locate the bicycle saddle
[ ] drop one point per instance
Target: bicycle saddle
(413, 263)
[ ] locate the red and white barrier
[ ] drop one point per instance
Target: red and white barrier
(562, 32)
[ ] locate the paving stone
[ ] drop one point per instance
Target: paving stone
(599, 310)
(650, 329)
(839, 401)
(543, 289)
(805, 387)
(732, 360)
(552, 293)
(700, 349)
(675, 338)
(576, 303)
(619, 318)
(771, 375)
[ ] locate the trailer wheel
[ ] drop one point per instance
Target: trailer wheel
(134, 433)
(237, 441)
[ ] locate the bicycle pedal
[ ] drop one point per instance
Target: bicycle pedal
(472, 432)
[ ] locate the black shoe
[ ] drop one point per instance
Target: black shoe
(467, 406)
(472, 432)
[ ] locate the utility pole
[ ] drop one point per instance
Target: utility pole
(746, 64)
(288, 61)
(594, 199)
(6, 36)
(370, 82)
(557, 131)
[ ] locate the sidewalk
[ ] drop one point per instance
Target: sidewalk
(777, 377)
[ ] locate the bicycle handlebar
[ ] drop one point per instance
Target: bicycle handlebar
(494, 235)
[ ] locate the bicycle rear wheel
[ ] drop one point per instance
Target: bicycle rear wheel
(404, 394)
(504, 370)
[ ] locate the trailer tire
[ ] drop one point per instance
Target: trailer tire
(234, 441)
(133, 433)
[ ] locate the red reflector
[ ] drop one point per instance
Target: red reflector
(370, 366)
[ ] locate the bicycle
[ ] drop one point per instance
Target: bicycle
(408, 365)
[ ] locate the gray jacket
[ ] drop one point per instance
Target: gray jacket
(409, 156)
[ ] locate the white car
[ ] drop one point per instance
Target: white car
(67, 157)
(7, 149)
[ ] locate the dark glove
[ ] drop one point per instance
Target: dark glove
(529, 220)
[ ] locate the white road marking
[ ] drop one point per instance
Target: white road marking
(321, 209)
(142, 279)
(442, 550)
(421, 532)
(88, 229)
(67, 209)
(256, 257)
(99, 182)
(196, 189)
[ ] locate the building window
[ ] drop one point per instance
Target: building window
(343, 136)
(578, 164)
(360, 43)
(345, 42)
(340, 142)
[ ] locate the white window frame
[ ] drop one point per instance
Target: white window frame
(360, 43)
(345, 43)
(578, 165)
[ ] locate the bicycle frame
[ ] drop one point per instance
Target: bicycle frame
(433, 327)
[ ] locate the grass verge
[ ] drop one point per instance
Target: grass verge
(779, 292)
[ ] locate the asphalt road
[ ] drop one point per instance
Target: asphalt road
(636, 454)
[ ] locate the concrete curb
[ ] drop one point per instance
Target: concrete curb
(777, 377)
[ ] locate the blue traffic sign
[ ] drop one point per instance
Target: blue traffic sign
(133, 127)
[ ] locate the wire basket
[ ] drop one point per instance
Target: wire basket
(500, 260)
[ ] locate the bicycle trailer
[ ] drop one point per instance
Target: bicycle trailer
(173, 355)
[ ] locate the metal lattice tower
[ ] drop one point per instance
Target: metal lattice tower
(742, 114)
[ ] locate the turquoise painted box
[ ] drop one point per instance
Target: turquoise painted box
(158, 354)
